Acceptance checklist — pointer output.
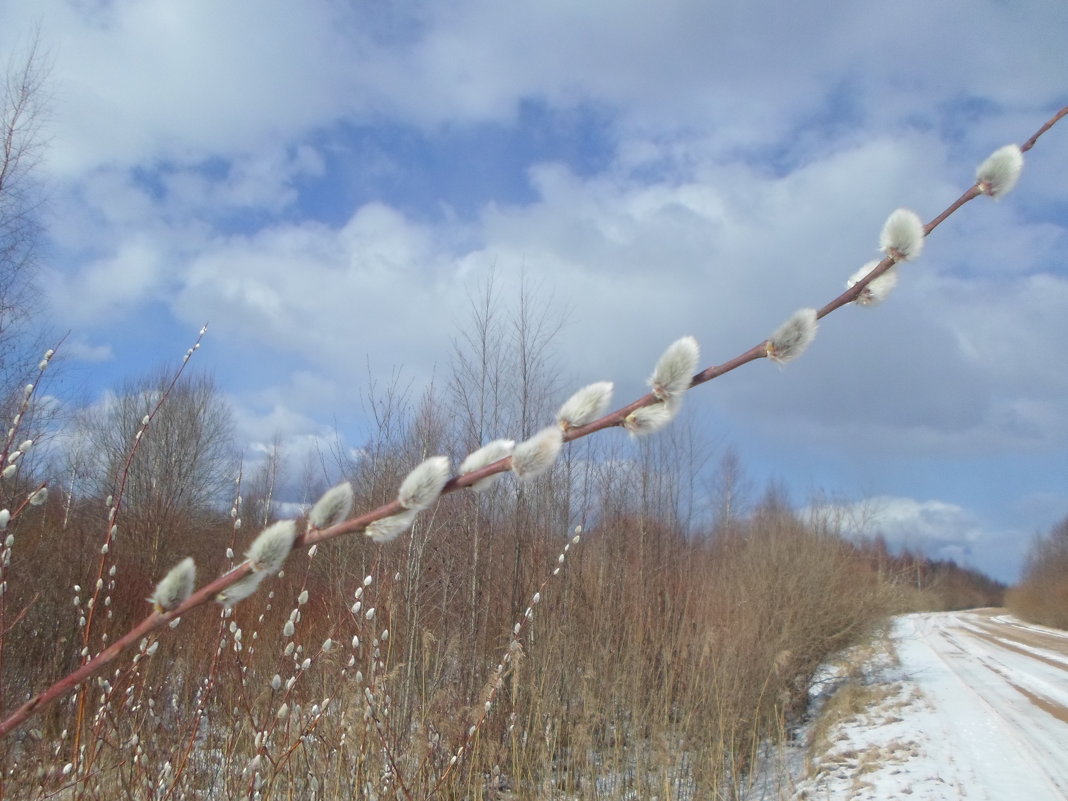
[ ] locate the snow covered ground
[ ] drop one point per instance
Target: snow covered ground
(974, 706)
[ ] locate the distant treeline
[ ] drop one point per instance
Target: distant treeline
(1042, 594)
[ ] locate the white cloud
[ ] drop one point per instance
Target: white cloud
(379, 285)
(80, 349)
(934, 528)
(139, 82)
(760, 148)
(136, 82)
(129, 276)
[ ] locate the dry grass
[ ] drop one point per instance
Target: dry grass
(653, 665)
(1042, 594)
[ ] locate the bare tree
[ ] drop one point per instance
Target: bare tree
(731, 491)
(183, 469)
(22, 106)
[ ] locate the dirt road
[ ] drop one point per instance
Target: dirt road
(976, 707)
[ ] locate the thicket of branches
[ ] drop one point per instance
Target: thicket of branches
(1042, 593)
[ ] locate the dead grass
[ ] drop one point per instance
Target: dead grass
(654, 664)
(1042, 594)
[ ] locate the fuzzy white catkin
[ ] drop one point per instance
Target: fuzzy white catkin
(652, 418)
(240, 590)
(269, 550)
(902, 235)
(998, 174)
(792, 337)
(333, 507)
(586, 405)
(39, 497)
(423, 485)
(878, 289)
(176, 586)
(389, 528)
(536, 455)
(487, 454)
(675, 369)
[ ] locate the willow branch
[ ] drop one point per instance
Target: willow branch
(309, 537)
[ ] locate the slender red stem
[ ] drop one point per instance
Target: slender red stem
(207, 593)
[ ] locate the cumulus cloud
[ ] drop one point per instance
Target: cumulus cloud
(129, 276)
(938, 529)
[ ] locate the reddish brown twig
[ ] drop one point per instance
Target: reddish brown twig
(206, 593)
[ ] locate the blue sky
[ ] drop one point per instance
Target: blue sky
(326, 182)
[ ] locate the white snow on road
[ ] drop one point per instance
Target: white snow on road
(975, 707)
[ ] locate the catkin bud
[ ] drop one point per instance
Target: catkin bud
(537, 454)
(650, 419)
(176, 586)
(792, 337)
(333, 507)
(487, 454)
(389, 528)
(38, 497)
(586, 405)
(878, 289)
(269, 550)
(240, 590)
(675, 368)
(424, 484)
(999, 173)
(902, 235)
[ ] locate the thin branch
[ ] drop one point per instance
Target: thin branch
(308, 538)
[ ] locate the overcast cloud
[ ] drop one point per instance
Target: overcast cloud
(326, 183)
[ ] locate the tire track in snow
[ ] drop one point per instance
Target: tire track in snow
(971, 709)
(995, 712)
